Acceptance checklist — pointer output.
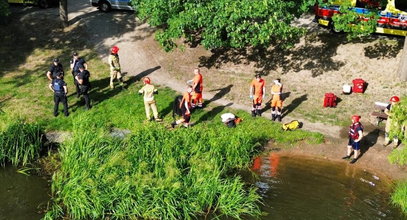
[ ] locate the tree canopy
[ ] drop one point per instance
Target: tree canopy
(4, 8)
(224, 23)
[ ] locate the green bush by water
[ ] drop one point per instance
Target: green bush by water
(20, 143)
(399, 196)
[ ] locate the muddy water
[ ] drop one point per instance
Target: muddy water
(297, 188)
(22, 197)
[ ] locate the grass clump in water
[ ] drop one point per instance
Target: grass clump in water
(20, 143)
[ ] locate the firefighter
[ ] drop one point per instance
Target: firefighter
(58, 86)
(388, 111)
(55, 69)
(115, 70)
(276, 101)
(148, 91)
(76, 62)
(355, 135)
(185, 107)
(197, 88)
(257, 92)
(84, 85)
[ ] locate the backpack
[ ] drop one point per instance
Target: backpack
(294, 124)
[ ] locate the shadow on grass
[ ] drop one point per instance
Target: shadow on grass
(293, 105)
(210, 115)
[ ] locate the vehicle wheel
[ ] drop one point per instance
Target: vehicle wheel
(43, 3)
(104, 6)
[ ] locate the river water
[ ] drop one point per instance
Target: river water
(22, 197)
(291, 188)
(298, 188)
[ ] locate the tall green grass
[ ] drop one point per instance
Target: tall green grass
(20, 143)
(399, 197)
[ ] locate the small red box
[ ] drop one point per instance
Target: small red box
(359, 86)
(329, 100)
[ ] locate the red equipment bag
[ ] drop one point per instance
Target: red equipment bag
(329, 100)
(359, 86)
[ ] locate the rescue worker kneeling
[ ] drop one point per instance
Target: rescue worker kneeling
(149, 90)
(58, 86)
(184, 105)
(355, 135)
(230, 120)
(276, 101)
(257, 92)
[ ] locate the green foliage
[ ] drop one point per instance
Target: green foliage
(20, 143)
(224, 23)
(398, 128)
(4, 9)
(399, 197)
(355, 24)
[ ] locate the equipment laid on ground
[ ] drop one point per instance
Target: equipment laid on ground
(379, 112)
(359, 85)
(294, 124)
(346, 89)
(330, 100)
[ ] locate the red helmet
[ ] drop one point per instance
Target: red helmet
(394, 99)
(115, 49)
(356, 118)
(146, 80)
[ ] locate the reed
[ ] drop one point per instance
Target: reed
(20, 143)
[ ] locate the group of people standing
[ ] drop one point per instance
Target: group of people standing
(81, 81)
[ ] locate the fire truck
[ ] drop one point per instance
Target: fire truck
(392, 17)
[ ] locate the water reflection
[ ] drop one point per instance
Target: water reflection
(299, 188)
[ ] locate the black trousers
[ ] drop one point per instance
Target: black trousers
(75, 82)
(84, 91)
(60, 97)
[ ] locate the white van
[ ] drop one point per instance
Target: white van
(107, 5)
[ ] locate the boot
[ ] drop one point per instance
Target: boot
(273, 117)
(386, 142)
(173, 124)
(253, 113)
(279, 118)
(258, 112)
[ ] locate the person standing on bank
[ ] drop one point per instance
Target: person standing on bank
(58, 86)
(257, 92)
(55, 69)
(276, 101)
(355, 135)
(388, 111)
(76, 62)
(148, 91)
(115, 70)
(84, 85)
(197, 87)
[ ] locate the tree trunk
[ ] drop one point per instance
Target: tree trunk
(63, 12)
(402, 71)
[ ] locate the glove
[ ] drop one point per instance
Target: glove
(251, 96)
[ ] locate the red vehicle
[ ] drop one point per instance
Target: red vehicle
(392, 18)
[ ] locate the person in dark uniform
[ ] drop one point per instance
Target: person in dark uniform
(58, 86)
(84, 85)
(56, 68)
(76, 62)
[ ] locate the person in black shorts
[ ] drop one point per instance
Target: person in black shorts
(355, 136)
(58, 86)
(55, 69)
(84, 85)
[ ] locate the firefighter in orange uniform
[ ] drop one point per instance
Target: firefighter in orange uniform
(276, 102)
(257, 92)
(185, 107)
(197, 88)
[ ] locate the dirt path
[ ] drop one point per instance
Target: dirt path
(141, 56)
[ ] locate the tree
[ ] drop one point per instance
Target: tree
(63, 12)
(224, 23)
(4, 9)
(402, 70)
